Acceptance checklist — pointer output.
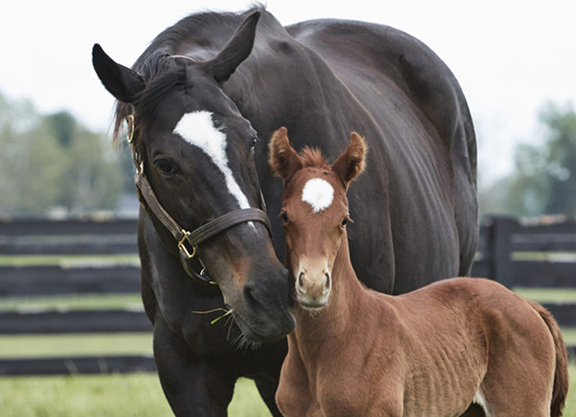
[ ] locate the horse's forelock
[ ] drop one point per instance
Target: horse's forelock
(156, 61)
(161, 75)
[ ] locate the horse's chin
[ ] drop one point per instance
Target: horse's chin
(259, 333)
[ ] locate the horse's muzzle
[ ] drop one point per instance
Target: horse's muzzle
(267, 314)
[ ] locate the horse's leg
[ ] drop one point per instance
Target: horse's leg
(267, 389)
(194, 386)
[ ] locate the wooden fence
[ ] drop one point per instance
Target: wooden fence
(517, 255)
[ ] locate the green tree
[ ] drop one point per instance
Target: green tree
(544, 177)
(561, 159)
(53, 161)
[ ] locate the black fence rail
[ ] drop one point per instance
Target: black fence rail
(77, 365)
(536, 254)
(515, 254)
(31, 281)
(68, 237)
(73, 321)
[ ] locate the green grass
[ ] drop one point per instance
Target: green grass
(77, 260)
(95, 396)
(547, 295)
(25, 346)
(570, 410)
(73, 302)
(109, 395)
(569, 334)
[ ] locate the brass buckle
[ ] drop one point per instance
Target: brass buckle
(130, 122)
(182, 247)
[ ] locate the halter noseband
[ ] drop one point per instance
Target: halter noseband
(188, 242)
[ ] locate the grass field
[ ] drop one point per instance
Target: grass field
(97, 396)
(27, 346)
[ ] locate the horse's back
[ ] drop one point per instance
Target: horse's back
(374, 53)
(412, 110)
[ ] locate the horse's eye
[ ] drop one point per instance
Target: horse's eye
(165, 167)
(254, 142)
(284, 217)
(344, 222)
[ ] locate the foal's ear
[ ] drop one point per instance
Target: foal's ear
(123, 83)
(284, 160)
(351, 162)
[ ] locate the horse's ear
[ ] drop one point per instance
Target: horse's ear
(235, 51)
(351, 162)
(123, 83)
(284, 160)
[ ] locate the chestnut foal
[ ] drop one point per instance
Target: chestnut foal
(432, 352)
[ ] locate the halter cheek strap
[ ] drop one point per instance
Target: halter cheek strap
(188, 242)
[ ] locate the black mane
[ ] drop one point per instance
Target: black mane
(161, 72)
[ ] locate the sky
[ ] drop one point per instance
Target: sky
(511, 57)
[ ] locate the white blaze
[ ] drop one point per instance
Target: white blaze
(318, 193)
(198, 129)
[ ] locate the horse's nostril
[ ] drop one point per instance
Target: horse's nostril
(327, 284)
(249, 295)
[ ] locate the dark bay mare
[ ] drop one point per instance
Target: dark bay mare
(431, 352)
(201, 103)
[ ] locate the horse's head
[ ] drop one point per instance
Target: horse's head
(314, 212)
(196, 155)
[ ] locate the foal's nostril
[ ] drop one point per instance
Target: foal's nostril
(301, 280)
(327, 284)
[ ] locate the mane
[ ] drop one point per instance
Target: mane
(312, 158)
(161, 73)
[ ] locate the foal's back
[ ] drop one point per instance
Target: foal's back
(470, 337)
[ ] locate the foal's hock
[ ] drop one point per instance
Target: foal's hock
(431, 352)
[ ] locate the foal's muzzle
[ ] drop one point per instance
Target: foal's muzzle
(313, 284)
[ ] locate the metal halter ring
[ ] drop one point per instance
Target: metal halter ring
(182, 247)
(130, 122)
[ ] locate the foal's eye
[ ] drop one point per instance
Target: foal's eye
(344, 221)
(165, 167)
(253, 143)
(284, 217)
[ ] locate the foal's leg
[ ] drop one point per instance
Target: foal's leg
(194, 386)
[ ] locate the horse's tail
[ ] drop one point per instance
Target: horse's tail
(560, 390)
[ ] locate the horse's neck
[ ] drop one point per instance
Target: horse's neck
(317, 332)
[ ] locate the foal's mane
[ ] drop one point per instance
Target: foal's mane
(312, 158)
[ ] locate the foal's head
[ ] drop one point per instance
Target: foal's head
(314, 212)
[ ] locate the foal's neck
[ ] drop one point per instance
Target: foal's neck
(347, 299)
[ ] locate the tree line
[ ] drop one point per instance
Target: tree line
(543, 180)
(52, 163)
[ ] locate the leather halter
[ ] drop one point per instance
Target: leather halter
(188, 242)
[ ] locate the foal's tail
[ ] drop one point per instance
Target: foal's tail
(560, 389)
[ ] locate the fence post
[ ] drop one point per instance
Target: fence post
(499, 248)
